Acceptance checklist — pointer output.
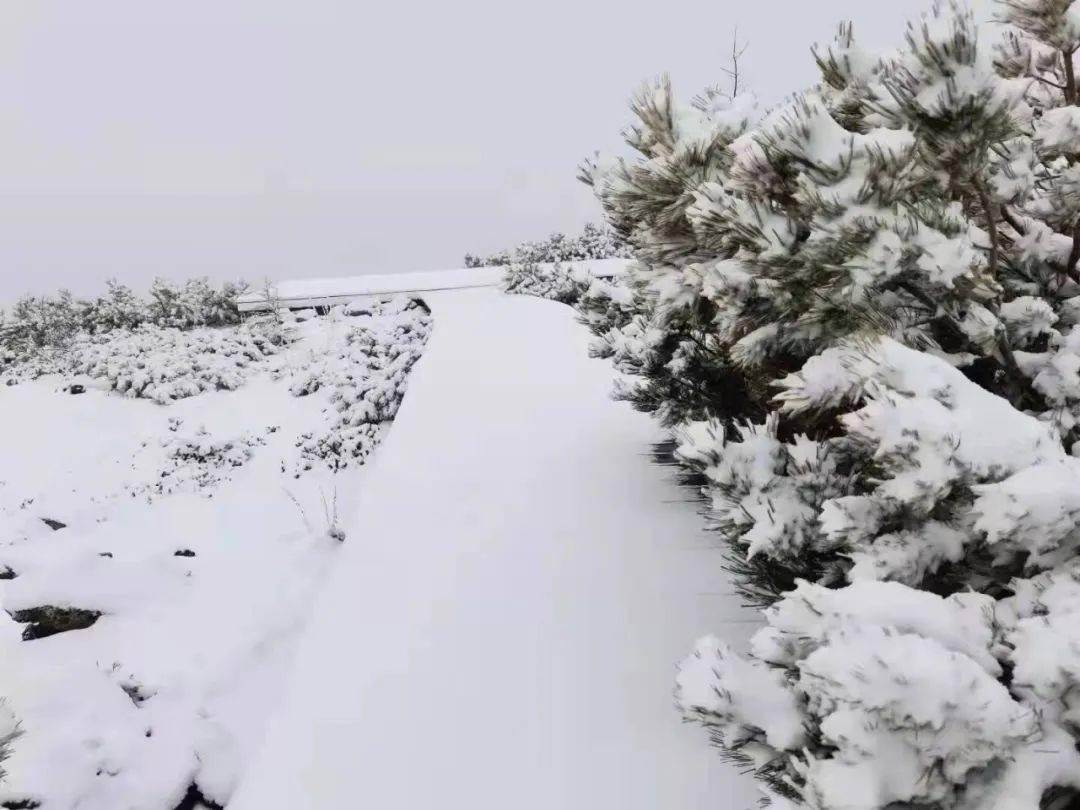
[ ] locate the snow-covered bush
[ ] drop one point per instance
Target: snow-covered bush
(198, 461)
(554, 281)
(9, 730)
(606, 304)
(39, 323)
(647, 203)
(366, 378)
(171, 623)
(877, 695)
(859, 314)
(166, 364)
(594, 242)
(924, 483)
(193, 303)
(37, 334)
(119, 308)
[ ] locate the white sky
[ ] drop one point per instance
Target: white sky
(283, 138)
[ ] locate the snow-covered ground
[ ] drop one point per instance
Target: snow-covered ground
(501, 628)
(202, 572)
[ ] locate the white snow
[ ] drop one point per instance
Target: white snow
(187, 529)
(500, 629)
(500, 625)
(206, 638)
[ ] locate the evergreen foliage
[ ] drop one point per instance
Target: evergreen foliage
(554, 281)
(593, 242)
(9, 731)
(860, 315)
(39, 328)
(366, 376)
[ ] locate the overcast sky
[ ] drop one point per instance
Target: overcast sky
(261, 138)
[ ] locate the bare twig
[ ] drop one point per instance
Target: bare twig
(303, 514)
(736, 53)
(330, 513)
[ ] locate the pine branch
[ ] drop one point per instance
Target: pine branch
(1070, 78)
(1074, 254)
(1019, 382)
(1012, 221)
(927, 301)
(991, 224)
(1046, 81)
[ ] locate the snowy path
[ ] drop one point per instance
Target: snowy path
(517, 585)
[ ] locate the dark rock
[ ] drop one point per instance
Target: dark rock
(7, 573)
(194, 800)
(106, 554)
(136, 693)
(55, 525)
(77, 389)
(49, 620)
(20, 804)
(184, 552)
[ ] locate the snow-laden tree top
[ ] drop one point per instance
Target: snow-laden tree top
(860, 313)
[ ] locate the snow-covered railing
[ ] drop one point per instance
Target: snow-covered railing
(320, 292)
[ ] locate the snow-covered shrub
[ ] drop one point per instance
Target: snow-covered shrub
(555, 281)
(859, 314)
(366, 379)
(858, 209)
(667, 367)
(1041, 642)
(16, 366)
(119, 308)
(647, 203)
(36, 336)
(199, 462)
(40, 323)
(877, 695)
(166, 364)
(9, 730)
(594, 242)
(193, 303)
(606, 304)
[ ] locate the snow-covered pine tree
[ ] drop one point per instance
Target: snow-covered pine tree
(194, 301)
(790, 238)
(675, 365)
(1038, 190)
(222, 308)
(119, 308)
(40, 322)
(883, 265)
(596, 242)
(164, 306)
